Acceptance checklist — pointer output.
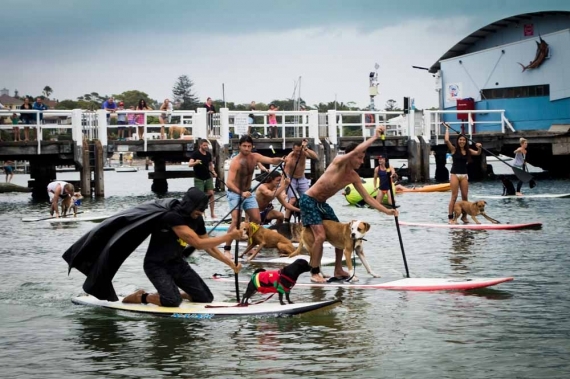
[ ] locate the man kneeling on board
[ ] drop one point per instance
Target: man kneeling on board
(173, 226)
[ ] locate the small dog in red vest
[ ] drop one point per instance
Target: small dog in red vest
(276, 281)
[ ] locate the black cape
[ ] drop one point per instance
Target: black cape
(100, 252)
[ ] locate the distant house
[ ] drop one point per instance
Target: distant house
(8, 101)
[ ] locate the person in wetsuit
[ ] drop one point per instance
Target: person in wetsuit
(174, 237)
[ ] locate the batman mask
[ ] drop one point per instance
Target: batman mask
(193, 200)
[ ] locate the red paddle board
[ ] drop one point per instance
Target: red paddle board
(532, 225)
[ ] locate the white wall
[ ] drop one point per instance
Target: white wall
(484, 69)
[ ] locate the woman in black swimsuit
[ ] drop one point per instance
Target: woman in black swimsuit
(461, 155)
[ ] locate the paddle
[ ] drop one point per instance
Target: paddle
(290, 183)
(236, 251)
(522, 174)
(383, 137)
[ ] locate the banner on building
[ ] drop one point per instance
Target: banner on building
(453, 91)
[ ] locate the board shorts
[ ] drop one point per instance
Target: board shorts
(300, 185)
(9, 170)
(169, 276)
(204, 185)
(314, 212)
(265, 213)
(249, 203)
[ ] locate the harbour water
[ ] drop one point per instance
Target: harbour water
(518, 329)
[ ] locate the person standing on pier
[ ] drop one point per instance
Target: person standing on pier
(461, 154)
(201, 161)
(272, 119)
(240, 176)
(251, 117)
(295, 170)
(210, 110)
(314, 208)
(40, 106)
(27, 118)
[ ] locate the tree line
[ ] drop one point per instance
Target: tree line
(184, 98)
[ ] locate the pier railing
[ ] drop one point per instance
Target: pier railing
(494, 119)
(85, 124)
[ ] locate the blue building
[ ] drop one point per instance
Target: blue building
(520, 64)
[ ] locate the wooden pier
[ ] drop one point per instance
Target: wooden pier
(88, 148)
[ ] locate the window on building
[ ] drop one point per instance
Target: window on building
(515, 92)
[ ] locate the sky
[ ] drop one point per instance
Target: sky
(254, 50)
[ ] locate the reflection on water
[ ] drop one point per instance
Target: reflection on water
(372, 334)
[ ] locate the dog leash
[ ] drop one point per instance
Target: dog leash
(353, 261)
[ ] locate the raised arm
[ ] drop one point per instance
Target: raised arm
(446, 139)
(478, 151)
(308, 152)
(361, 148)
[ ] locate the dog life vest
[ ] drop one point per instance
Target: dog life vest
(272, 282)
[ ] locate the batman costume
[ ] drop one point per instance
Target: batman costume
(100, 252)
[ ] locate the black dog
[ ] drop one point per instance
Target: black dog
(508, 187)
(280, 281)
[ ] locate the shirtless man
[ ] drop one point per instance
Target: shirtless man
(240, 175)
(314, 209)
(269, 190)
(295, 169)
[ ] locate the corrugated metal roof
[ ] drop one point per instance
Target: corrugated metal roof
(461, 47)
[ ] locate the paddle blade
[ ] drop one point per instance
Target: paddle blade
(522, 175)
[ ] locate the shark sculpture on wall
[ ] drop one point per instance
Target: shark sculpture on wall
(541, 54)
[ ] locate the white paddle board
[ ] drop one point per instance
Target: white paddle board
(325, 261)
(210, 310)
(408, 284)
(79, 218)
(533, 225)
(539, 196)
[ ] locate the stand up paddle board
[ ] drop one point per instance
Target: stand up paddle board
(224, 227)
(532, 225)
(325, 261)
(210, 310)
(408, 284)
(540, 196)
(68, 219)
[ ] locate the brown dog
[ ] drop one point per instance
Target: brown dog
(262, 237)
(348, 237)
(472, 209)
(68, 203)
(176, 128)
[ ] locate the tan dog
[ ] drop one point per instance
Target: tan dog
(68, 203)
(264, 238)
(465, 208)
(341, 236)
(176, 128)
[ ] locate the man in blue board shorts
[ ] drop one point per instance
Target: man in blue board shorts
(314, 209)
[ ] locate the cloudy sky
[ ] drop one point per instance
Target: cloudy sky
(257, 49)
